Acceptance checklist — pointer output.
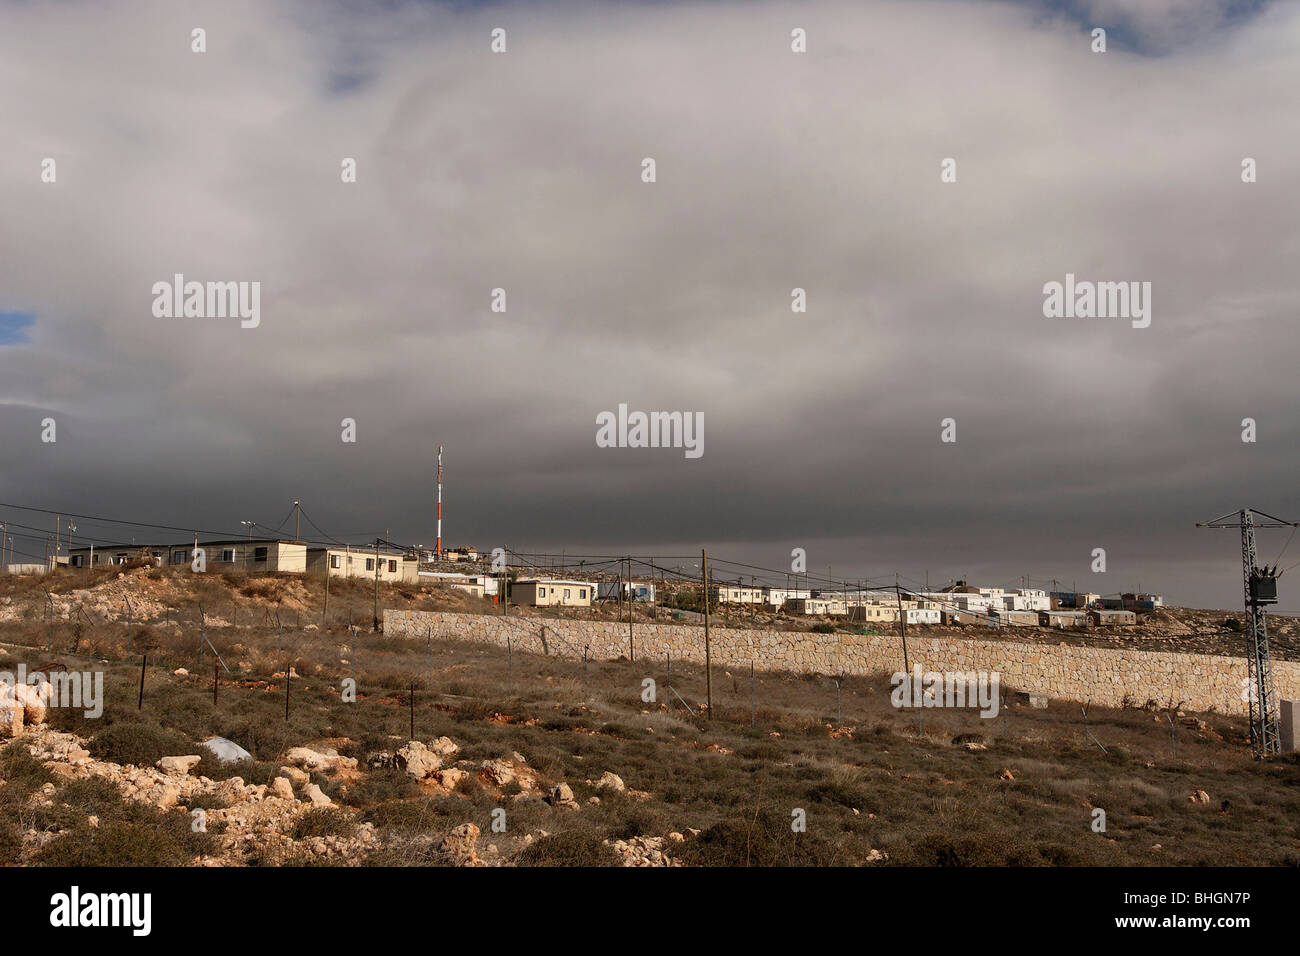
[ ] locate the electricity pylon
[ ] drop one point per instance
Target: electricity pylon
(1260, 590)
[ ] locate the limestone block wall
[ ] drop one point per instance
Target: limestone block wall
(1110, 677)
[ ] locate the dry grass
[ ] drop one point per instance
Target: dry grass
(888, 784)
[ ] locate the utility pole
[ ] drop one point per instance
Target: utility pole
(654, 595)
(618, 588)
(297, 512)
(325, 612)
(631, 649)
(708, 660)
(438, 546)
(375, 623)
(902, 623)
(1260, 587)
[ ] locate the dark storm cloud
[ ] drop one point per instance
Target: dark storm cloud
(775, 171)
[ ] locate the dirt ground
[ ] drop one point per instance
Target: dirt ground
(872, 783)
(146, 594)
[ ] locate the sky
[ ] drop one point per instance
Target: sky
(774, 170)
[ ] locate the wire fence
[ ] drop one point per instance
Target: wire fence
(244, 643)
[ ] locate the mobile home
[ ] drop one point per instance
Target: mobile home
(1108, 617)
(550, 592)
(1062, 619)
(347, 562)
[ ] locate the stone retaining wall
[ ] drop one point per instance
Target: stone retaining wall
(1111, 677)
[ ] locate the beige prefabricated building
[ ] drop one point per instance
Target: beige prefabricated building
(268, 555)
(873, 612)
(552, 593)
(360, 563)
(254, 554)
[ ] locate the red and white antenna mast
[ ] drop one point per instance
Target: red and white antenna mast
(439, 545)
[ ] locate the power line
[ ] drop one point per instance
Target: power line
(102, 519)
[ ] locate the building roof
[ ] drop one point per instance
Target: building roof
(362, 549)
(206, 543)
(585, 584)
(243, 541)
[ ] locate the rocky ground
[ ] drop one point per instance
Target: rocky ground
(264, 822)
(370, 750)
(172, 599)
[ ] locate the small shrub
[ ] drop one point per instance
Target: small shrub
(990, 848)
(762, 839)
(11, 843)
(843, 794)
(17, 765)
(142, 837)
(638, 821)
(408, 816)
(382, 786)
(207, 801)
(569, 848)
(92, 795)
(140, 744)
(252, 772)
(323, 822)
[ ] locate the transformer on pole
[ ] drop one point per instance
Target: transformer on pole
(1260, 587)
